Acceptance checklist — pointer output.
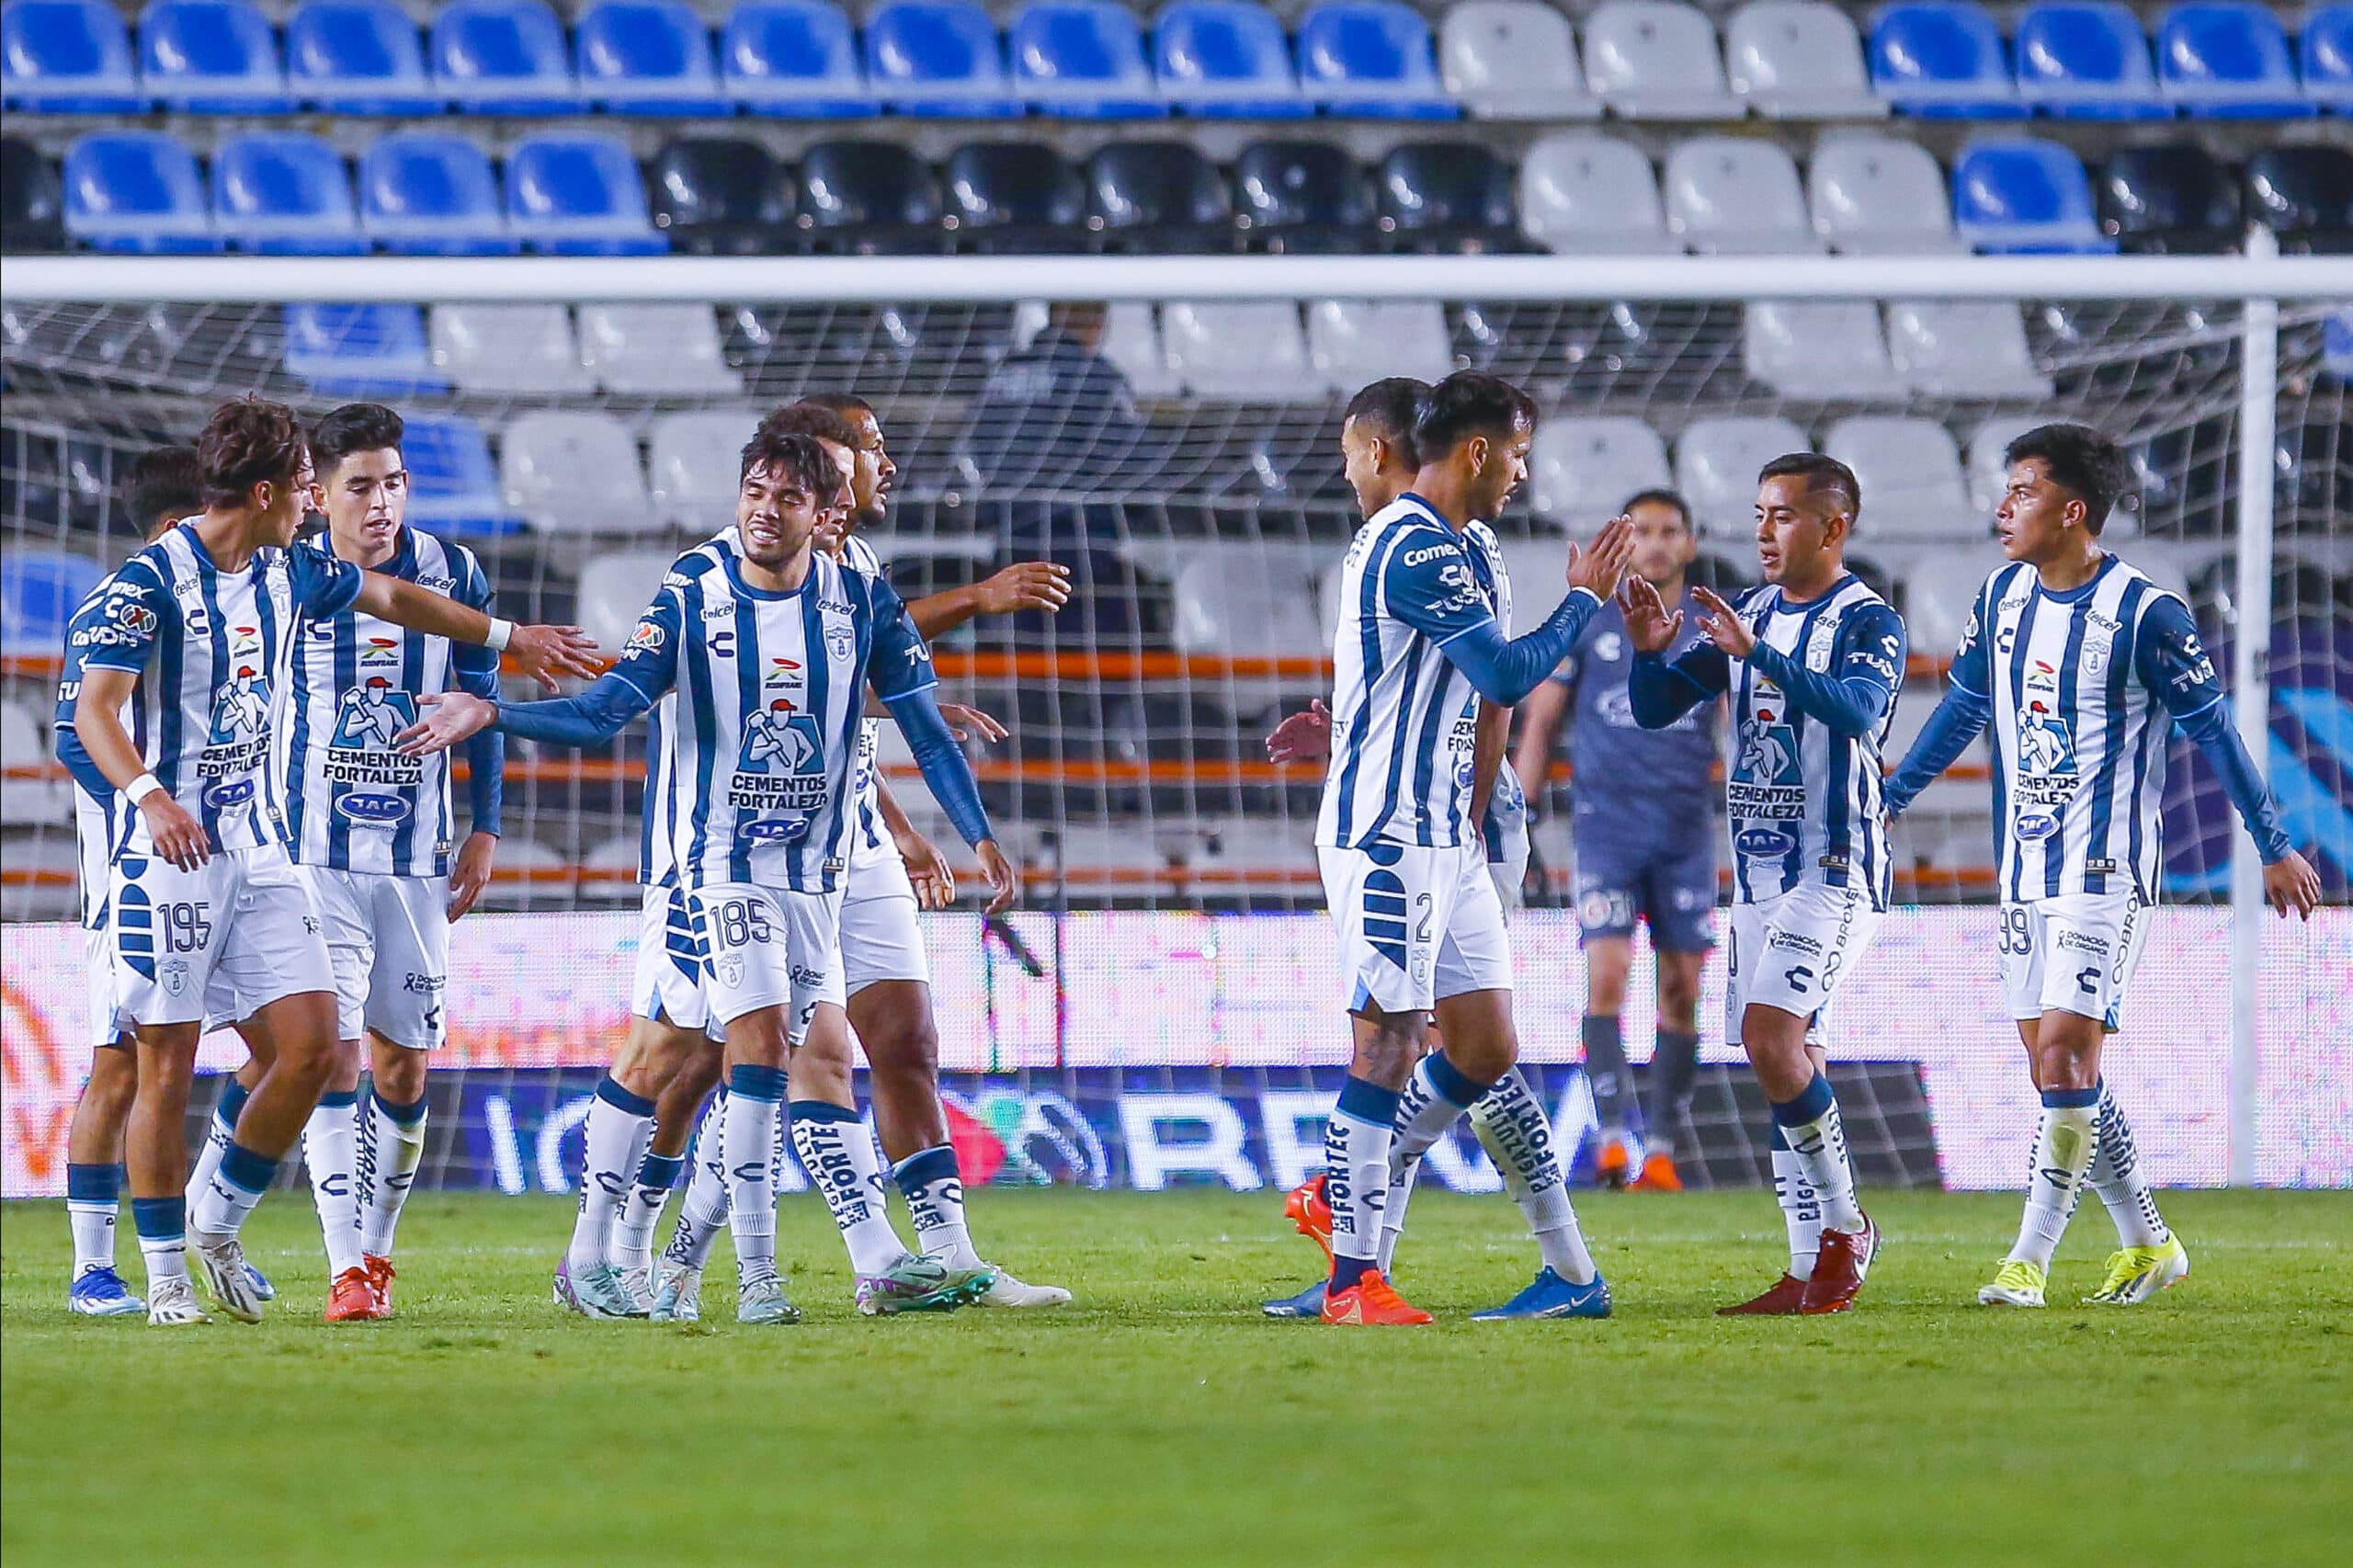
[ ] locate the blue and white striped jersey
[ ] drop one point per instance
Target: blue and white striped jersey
(763, 740)
(353, 802)
(657, 864)
(871, 842)
(1504, 831)
(212, 649)
(98, 807)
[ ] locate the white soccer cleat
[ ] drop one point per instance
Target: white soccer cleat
(1007, 1291)
(2135, 1274)
(171, 1303)
(677, 1294)
(222, 1258)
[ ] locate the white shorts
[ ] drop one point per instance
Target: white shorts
(1415, 925)
(389, 939)
(668, 984)
(767, 947)
(2075, 953)
(1788, 950)
(109, 1023)
(882, 935)
(223, 941)
(1509, 876)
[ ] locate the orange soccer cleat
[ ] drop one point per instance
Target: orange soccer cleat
(1612, 1162)
(379, 1280)
(1838, 1271)
(1784, 1298)
(1303, 1206)
(1374, 1302)
(1658, 1174)
(352, 1300)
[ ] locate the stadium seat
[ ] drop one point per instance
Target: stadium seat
(794, 57)
(2228, 59)
(503, 57)
(1512, 60)
(2086, 60)
(2328, 47)
(1939, 591)
(360, 350)
(1232, 599)
(1226, 58)
(1131, 343)
(1370, 58)
(1735, 196)
(452, 483)
(1985, 474)
(868, 196)
(1911, 474)
(1157, 197)
(66, 57)
(1445, 196)
(1300, 195)
(2025, 196)
(503, 349)
(691, 462)
(1583, 194)
(1817, 350)
(1353, 342)
(39, 590)
(937, 57)
(29, 800)
(211, 57)
(284, 193)
(1943, 59)
(573, 473)
(1082, 59)
(616, 587)
(1954, 348)
(2168, 198)
(655, 350)
(1656, 60)
(720, 196)
(357, 57)
(2302, 194)
(137, 190)
(646, 57)
(578, 196)
(1584, 468)
(1016, 196)
(32, 200)
(1248, 352)
(529, 875)
(1878, 196)
(1716, 463)
(422, 193)
(1798, 60)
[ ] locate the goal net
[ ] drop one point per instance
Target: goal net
(1162, 1008)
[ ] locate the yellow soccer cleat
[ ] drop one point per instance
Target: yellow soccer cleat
(2135, 1274)
(2016, 1284)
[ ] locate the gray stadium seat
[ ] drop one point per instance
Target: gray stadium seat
(1963, 348)
(1584, 194)
(1583, 469)
(30, 800)
(1798, 60)
(1512, 60)
(572, 473)
(1879, 195)
(1656, 60)
(1986, 474)
(1716, 463)
(1251, 351)
(1131, 342)
(45, 866)
(1352, 342)
(617, 860)
(1910, 474)
(655, 350)
(545, 882)
(1736, 196)
(691, 464)
(1826, 349)
(1937, 592)
(507, 349)
(1252, 600)
(615, 588)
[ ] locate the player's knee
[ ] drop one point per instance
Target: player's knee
(1679, 1000)
(399, 1075)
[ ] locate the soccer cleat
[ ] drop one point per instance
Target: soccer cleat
(228, 1275)
(763, 1301)
(1783, 1298)
(677, 1294)
(1658, 1174)
(352, 1298)
(100, 1293)
(1304, 1206)
(1308, 1303)
(2135, 1274)
(1838, 1269)
(171, 1303)
(1612, 1162)
(1372, 1302)
(599, 1292)
(1549, 1296)
(2016, 1283)
(263, 1289)
(1007, 1291)
(379, 1280)
(919, 1284)
(639, 1282)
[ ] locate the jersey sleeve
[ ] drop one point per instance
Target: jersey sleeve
(475, 665)
(2171, 661)
(322, 586)
(119, 627)
(1433, 588)
(900, 661)
(649, 660)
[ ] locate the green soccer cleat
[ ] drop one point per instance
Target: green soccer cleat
(763, 1301)
(919, 1284)
(2135, 1274)
(2016, 1284)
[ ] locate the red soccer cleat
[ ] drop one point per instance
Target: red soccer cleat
(1838, 1271)
(1303, 1206)
(379, 1280)
(1784, 1298)
(352, 1300)
(1374, 1302)
(1612, 1162)
(1658, 1174)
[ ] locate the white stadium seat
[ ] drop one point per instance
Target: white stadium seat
(1960, 348)
(1829, 349)
(1798, 60)
(691, 464)
(1656, 60)
(615, 588)
(655, 350)
(1512, 60)
(1938, 590)
(1910, 474)
(1583, 469)
(26, 800)
(574, 472)
(617, 858)
(1251, 352)
(1131, 342)
(1354, 342)
(44, 869)
(544, 883)
(1248, 599)
(1716, 463)
(1879, 195)
(507, 349)
(1735, 196)
(1986, 474)
(1585, 194)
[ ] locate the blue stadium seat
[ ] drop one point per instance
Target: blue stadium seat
(578, 195)
(2086, 60)
(137, 190)
(357, 57)
(2228, 60)
(211, 57)
(2328, 57)
(66, 57)
(1371, 57)
(39, 590)
(2025, 196)
(1227, 59)
(452, 482)
(360, 350)
(647, 57)
(937, 57)
(1942, 58)
(503, 57)
(423, 194)
(284, 193)
(1082, 57)
(794, 57)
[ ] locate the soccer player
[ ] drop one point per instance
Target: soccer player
(1420, 926)
(1643, 819)
(770, 647)
(2080, 667)
(1812, 660)
(372, 833)
(200, 884)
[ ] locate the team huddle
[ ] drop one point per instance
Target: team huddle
(260, 728)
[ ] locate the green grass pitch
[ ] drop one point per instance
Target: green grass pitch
(1162, 1420)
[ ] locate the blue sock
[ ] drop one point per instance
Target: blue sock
(231, 1105)
(94, 1184)
(1355, 1184)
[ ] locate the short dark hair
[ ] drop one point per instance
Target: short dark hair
(163, 485)
(1820, 472)
(793, 456)
(1467, 404)
(810, 418)
(354, 427)
(2081, 460)
(1660, 497)
(841, 403)
(1388, 409)
(248, 441)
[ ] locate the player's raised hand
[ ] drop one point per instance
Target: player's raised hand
(1648, 625)
(1004, 882)
(1722, 625)
(1597, 567)
(935, 882)
(178, 837)
(1029, 585)
(2290, 882)
(449, 717)
(470, 873)
(1302, 737)
(965, 723)
(544, 652)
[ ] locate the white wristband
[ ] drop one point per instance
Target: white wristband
(139, 789)
(502, 632)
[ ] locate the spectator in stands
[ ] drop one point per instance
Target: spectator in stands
(1055, 414)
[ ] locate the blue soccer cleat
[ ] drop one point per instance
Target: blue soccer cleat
(602, 1291)
(1308, 1303)
(263, 1288)
(1549, 1296)
(100, 1293)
